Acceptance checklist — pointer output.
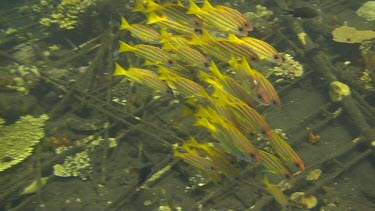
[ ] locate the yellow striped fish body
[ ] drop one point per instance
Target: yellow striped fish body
(227, 134)
(219, 19)
(196, 160)
(234, 140)
(286, 152)
(274, 165)
(143, 76)
(236, 48)
(222, 159)
(263, 49)
(169, 41)
(218, 156)
(177, 12)
(267, 94)
(142, 32)
(192, 57)
(206, 44)
(247, 114)
(182, 71)
(169, 23)
(235, 14)
(184, 86)
(278, 194)
(150, 53)
(233, 87)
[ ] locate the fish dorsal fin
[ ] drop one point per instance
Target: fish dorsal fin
(193, 8)
(207, 6)
(234, 38)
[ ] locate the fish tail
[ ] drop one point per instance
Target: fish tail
(138, 7)
(124, 24)
(265, 181)
(153, 18)
(124, 47)
(119, 70)
(152, 6)
(193, 8)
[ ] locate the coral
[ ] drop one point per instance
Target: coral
(66, 14)
(338, 90)
(74, 166)
(17, 141)
(79, 165)
(367, 11)
(290, 68)
(348, 34)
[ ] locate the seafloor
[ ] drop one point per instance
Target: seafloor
(128, 134)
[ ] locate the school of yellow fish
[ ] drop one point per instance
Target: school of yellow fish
(182, 50)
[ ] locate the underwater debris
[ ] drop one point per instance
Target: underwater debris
(17, 141)
(307, 202)
(348, 34)
(367, 11)
(289, 69)
(338, 90)
(312, 138)
(74, 166)
(314, 175)
(33, 187)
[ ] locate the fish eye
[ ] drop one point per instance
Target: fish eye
(297, 165)
(263, 132)
(170, 62)
(240, 29)
(252, 155)
(287, 176)
(275, 57)
(274, 102)
(212, 168)
(246, 25)
(259, 96)
(253, 59)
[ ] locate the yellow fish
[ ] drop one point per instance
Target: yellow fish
(278, 194)
(286, 152)
(152, 54)
(142, 32)
(274, 165)
(144, 77)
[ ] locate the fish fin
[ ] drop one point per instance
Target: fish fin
(124, 24)
(215, 70)
(193, 8)
(265, 181)
(152, 6)
(207, 6)
(124, 47)
(206, 36)
(153, 18)
(233, 38)
(150, 63)
(119, 70)
(138, 7)
(179, 3)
